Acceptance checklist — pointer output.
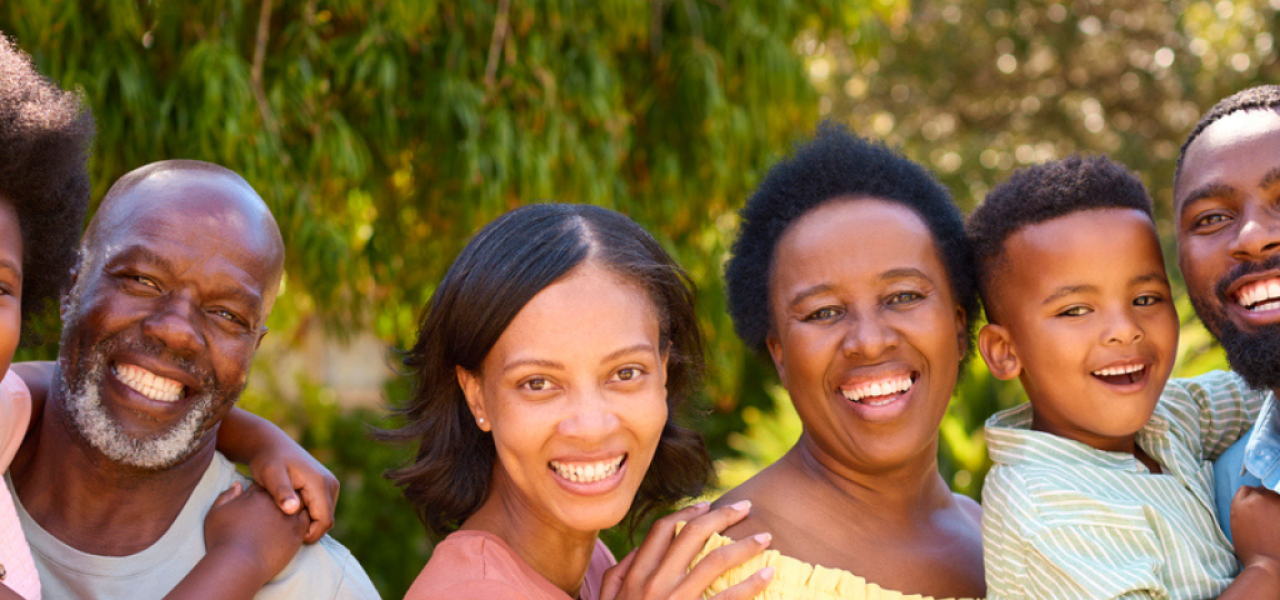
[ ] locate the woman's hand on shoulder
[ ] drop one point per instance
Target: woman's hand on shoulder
(659, 568)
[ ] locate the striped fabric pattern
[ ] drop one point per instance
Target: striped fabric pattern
(1063, 520)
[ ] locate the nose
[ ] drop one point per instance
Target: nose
(174, 325)
(868, 335)
(590, 416)
(1122, 328)
(1259, 233)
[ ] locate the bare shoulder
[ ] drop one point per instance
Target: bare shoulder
(770, 497)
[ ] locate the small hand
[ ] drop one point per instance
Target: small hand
(1255, 525)
(659, 568)
(288, 468)
(247, 528)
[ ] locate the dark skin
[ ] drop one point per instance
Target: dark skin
(1225, 203)
(186, 259)
(860, 491)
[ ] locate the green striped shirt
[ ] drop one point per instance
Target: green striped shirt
(1063, 520)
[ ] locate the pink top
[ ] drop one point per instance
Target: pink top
(15, 556)
(478, 565)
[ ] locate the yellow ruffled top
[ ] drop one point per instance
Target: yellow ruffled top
(796, 580)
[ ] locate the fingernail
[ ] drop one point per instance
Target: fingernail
(762, 538)
(766, 573)
(741, 505)
(704, 505)
(290, 505)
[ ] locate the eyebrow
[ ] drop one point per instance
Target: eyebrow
(551, 364)
(887, 275)
(11, 266)
(1270, 179)
(253, 302)
(1211, 190)
(1067, 290)
(1152, 277)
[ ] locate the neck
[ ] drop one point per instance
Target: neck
(89, 502)
(559, 554)
(902, 494)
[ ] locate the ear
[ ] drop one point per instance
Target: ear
(999, 352)
(471, 388)
(665, 362)
(962, 331)
(261, 334)
(775, 352)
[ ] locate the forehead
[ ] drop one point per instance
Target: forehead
(854, 238)
(191, 218)
(1088, 248)
(1238, 149)
(584, 315)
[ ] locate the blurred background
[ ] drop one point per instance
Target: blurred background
(384, 132)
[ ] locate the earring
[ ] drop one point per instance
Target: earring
(480, 420)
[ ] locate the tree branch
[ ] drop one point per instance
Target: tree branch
(500, 28)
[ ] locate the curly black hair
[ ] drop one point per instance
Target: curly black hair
(46, 135)
(837, 163)
(1261, 97)
(1042, 193)
(500, 270)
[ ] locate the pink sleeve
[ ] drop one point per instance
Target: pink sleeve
(15, 416)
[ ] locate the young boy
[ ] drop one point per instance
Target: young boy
(1101, 486)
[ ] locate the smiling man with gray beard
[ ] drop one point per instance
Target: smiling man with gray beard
(178, 271)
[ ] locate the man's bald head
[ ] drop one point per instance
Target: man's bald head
(211, 198)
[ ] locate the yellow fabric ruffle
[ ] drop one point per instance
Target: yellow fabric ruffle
(796, 580)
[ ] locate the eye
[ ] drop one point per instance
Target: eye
(825, 313)
(1147, 300)
(904, 298)
(1075, 311)
(536, 384)
(229, 316)
(1208, 220)
(628, 374)
(144, 281)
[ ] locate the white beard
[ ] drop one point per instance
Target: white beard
(104, 433)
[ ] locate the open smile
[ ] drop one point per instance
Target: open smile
(589, 477)
(1259, 296)
(878, 392)
(150, 385)
(1126, 377)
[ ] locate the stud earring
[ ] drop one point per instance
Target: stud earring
(480, 420)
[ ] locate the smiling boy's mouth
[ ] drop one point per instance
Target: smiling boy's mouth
(1121, 375)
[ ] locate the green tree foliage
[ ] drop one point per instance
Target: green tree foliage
(384, 133)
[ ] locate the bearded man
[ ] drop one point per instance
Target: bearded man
(1227, 209)
(177, 273)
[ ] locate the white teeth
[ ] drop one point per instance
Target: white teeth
(148, 384)
(589, 472)
(1111, 371)
(1261, 295)
(877, 389)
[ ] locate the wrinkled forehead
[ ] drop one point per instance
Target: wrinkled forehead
(190, 212)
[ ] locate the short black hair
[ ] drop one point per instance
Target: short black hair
(45, 134)
(1261, 97)
(1042, 193)
(498, 272)
(837, 163)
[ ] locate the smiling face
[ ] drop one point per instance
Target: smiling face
(1085, 319)
(867, 337)
(165, 315)
(10, 284)
(574, 393)
(1227, 202)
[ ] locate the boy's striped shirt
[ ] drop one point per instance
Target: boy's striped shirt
(1063, 520)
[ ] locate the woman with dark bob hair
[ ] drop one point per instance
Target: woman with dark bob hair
(548, 370)
(852, 273)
